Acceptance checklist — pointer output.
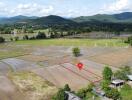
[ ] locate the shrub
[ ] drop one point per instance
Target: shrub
(11, 39)
(61, 95)
(107, 73)
(113, 93)
(2, 40)
(25, 37)
(16, 38)
(32, 38)
(76, 51)
(105, 84)
(67, 88)
(40, 35)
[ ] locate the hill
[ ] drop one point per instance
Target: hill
(125, 17)
(15, 19)
(51, 20)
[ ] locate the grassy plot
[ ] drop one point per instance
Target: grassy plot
(33, 85)
(8, 50)
(76, 42)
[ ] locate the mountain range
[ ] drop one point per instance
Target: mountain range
(125, 17)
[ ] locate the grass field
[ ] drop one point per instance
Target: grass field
(33, 85)
(76, 42)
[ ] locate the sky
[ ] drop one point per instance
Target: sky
(64, 8)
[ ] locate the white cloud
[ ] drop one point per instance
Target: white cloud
(117, 6)
(31, 9)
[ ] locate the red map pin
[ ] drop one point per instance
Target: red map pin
(80, 66)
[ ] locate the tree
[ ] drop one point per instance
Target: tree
(122, 73)
(107, 73)
(25, 37)
(2, 40)
(61, 95)
(76, 51)
(16, 38)
(105, 85)
(82, 93)
(67, 88)
(41, 35)
(113, 93)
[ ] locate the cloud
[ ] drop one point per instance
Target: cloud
(31, 9)
(117, 6)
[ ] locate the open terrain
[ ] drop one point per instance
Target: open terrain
(52, 61)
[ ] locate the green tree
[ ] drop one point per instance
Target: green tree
(107, 73)
(105, 85)
(16, 38)
(2, 40)
(113, 93)
(67, 88)
(60, 95)
(25, 37)
(41, 35)
(76, 51)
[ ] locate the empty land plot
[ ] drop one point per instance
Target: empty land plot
(60, 76)
(117, 59)
(35, 87)
(18, 64)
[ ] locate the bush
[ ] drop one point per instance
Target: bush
(61, 95)
(107, 73)
(113, 93)
(11, 39)
(2, 40)
(82, 93)
(25, 37)
(105, 84)
(32, 38)
(67, 88)
(76, 51)
(40, 35)
(122, 73)
(16, 38)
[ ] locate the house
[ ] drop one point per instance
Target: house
(72, 96)
(117, 83)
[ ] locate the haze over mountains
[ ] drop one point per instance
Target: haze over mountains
(125, 17)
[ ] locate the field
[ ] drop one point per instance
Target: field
(77, 42)
(52, 61)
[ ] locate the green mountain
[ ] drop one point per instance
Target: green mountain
(125, 17)
(51, 20)
(15, 19)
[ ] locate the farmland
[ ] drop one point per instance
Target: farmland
(52, 61)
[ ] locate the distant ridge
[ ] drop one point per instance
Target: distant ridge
(125, 17)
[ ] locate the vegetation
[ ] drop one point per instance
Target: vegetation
(61, 95)
(75, 42)
(122, 73)
(33, 85)
(113, 93)
(107, 73)
(76, 51)
(126, 92)
(129, 40)
(2, 40)
(85, 93)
